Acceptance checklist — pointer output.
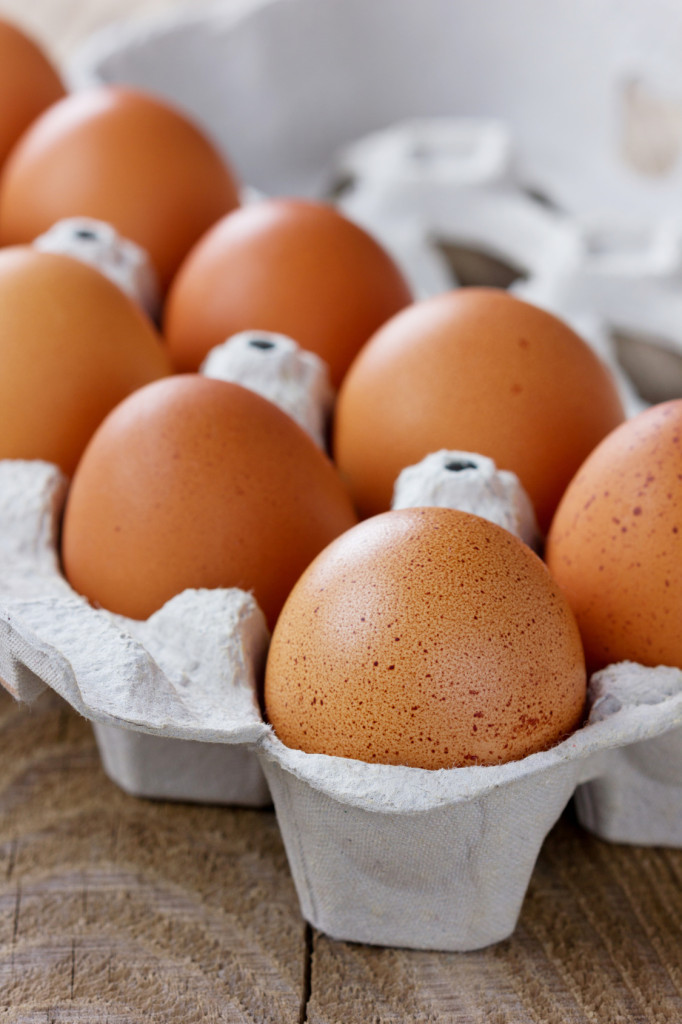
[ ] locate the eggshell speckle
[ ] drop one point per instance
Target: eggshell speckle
(425, 637)
(615, 545)
(475, 370)
(194, 482)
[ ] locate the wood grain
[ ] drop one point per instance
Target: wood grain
(130, 910)
(120, 910)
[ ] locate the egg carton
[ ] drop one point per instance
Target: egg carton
(237, 63)
(493, 198)
(147, 686)
(380, 854)
(626, 764)
(173, 699)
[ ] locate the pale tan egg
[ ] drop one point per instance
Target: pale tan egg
(615, 544)
(425, 637)
(194, 482)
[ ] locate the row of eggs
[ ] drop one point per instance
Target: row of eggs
(194, 482)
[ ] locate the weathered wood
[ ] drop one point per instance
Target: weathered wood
(117, 909)
(127, 911)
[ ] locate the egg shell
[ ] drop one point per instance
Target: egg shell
(289, 266)
(28, 84)
(124, 157)
(473, 370)
(615, 545)
(72, 345)
(425, 637)
(195, 482)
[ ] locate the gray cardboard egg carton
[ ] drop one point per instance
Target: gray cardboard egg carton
(490, 199)
(397, 856)
(379, 854)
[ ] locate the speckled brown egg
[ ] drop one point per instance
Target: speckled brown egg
(615, 545)
(193, 483)
(474, 370)
(425, 637)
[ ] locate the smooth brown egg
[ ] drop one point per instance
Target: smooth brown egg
(425, 637)
(194, 482)
(124, 157)
(72, 345)
(299, 268)
(28, 84)
(473, 370)
(615, 545)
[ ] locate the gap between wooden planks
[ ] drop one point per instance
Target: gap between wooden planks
(126, 911)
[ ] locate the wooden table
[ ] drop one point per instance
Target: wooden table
(125, 911)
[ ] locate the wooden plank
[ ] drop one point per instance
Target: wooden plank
(127, 910)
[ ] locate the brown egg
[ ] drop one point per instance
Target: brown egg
(120, 156)
(194, 482)
(28, 84)
(72, 345)
(473, 370)
(615, 545)
(285, 265)
(425, 637)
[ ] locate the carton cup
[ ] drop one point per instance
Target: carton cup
(441, 859)
(172, 699)
(636, 793)
(188, 770)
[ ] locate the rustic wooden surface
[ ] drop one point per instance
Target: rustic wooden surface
(120, 911)
(125, 911)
